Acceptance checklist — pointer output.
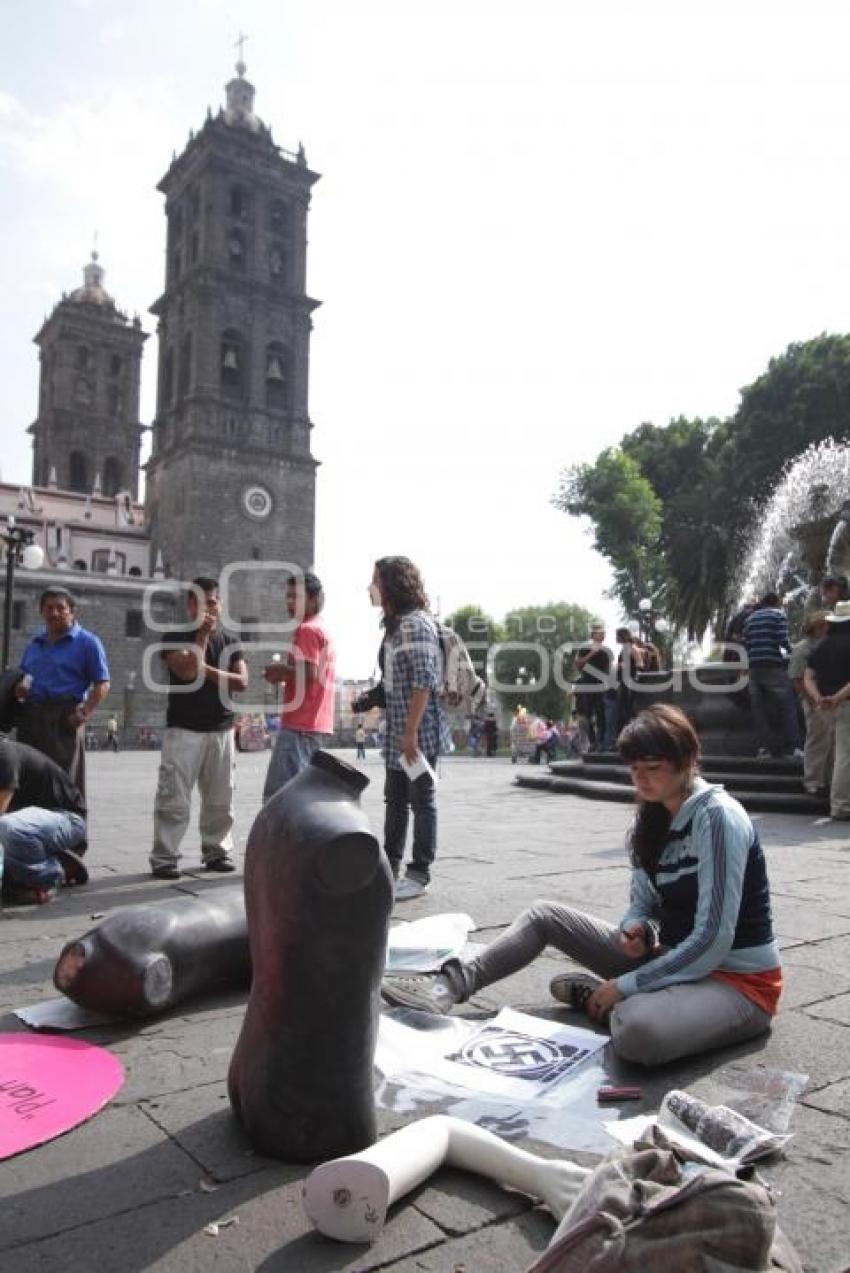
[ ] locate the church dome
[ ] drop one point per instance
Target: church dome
(239, 110)
(92, 291)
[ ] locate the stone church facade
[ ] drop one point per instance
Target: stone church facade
(230, 481)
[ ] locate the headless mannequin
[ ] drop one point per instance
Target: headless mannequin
(348, 1198)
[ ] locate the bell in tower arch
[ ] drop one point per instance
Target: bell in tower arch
(230, 358)
(274, 371)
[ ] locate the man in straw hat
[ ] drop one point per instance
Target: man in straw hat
(827, 682)
(817, 752)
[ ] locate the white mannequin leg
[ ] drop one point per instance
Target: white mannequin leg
(348, 1198)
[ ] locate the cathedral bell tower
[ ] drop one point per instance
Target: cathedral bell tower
(231, 478)
(87, 433)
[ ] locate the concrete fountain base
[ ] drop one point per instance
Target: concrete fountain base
(762, 786)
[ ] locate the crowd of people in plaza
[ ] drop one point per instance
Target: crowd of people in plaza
(800, 699)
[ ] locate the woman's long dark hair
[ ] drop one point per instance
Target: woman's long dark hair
(659, 732)
(402, 588)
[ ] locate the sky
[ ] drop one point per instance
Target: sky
(540, 223)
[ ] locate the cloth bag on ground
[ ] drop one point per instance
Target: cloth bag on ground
(638, 1211)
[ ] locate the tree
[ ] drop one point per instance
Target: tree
(479, 631)
(802, 398)
(677, 504)
(626, 515)
(531, 666)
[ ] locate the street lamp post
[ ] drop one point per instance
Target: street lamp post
(645, 618)
(20, 551)
(129, 692)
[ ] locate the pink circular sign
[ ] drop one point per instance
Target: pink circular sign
(48, 1085)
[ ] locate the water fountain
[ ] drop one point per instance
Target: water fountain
(803, 532)
(800, 535)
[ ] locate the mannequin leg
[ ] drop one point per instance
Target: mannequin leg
(348, 1198)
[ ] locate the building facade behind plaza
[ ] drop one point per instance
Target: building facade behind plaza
(230, 481)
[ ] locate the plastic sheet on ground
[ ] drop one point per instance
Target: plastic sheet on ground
(517, 1075)
(767, 1097)
(424, 945)
(60, 1014)
(717, 1133)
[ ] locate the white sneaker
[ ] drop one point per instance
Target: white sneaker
(762, 754)
(573, 988)
(408, 888)
(426, 992)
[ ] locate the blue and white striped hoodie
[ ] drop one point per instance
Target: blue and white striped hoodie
(709, 901)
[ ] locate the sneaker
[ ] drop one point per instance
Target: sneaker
(223, 865)
(409, 888)
(168, 872)
(30, 896)
(73, 866)
(573, 988)
(427, 992)
(763, 754)
(797, 753)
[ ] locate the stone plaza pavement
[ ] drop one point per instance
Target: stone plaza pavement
(135, 1187)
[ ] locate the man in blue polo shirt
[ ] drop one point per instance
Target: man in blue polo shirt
(65, 678)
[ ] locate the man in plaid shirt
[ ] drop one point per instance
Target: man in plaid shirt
(411, 660)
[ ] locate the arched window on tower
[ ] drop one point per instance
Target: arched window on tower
(233, 364)
(115, 365)
(278, 217)
(238, 202)
(277, 377)
(184, 383)
(236, 249)
(78, 472)
(83, 359)
(277, 263)
(114, 401)
(112, 476)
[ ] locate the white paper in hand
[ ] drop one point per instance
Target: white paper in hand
(416, 768)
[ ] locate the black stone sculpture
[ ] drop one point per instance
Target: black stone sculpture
(318, 893)
(145, 959)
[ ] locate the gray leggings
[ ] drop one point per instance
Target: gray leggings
(649, 1028)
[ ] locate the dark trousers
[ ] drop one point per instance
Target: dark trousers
(591, 707)
(401, 795)
(45, 727)
(771, 693)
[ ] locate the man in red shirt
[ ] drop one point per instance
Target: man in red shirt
(307, 676)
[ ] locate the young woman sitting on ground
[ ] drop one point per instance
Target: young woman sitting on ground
(694, 964)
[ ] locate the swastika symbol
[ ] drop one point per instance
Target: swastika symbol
(521, 1056)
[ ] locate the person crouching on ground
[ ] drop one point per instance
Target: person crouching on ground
(694, 964)
(42, 825)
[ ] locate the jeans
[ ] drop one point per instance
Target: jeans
(651, 1027)
(609, 700)
(592, 721)
(770, 689)
(30, 840)
(291, 753)
(400, 794)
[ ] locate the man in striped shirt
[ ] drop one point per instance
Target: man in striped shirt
(768, 646)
